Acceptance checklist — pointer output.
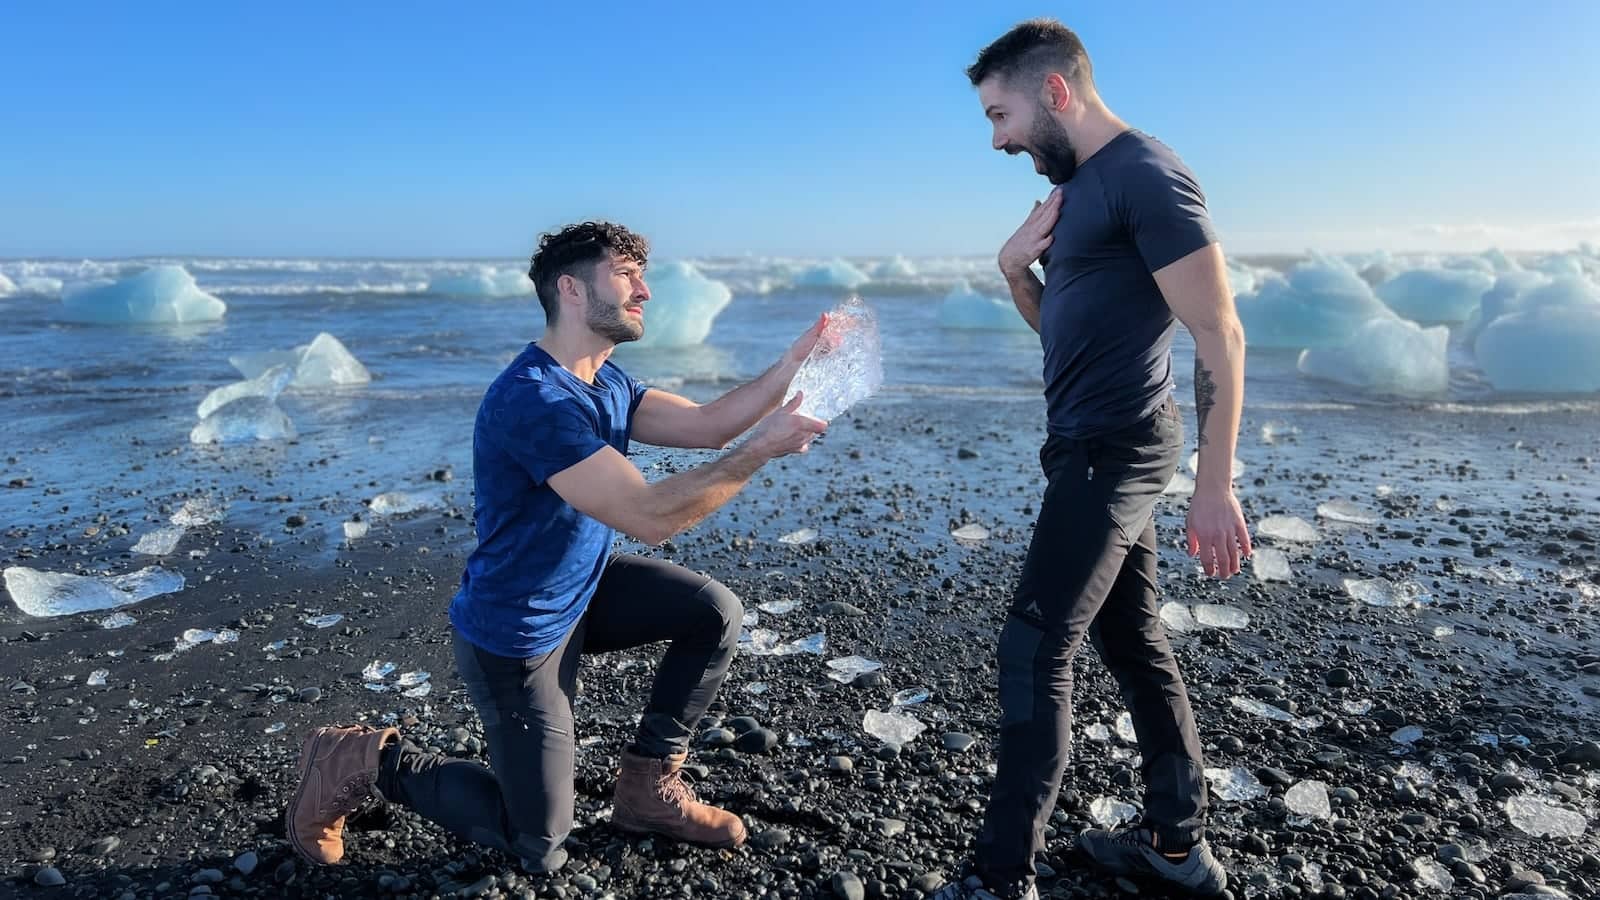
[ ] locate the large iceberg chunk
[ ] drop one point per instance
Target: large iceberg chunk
(683, 304)
(1321, 303)
(484, 281)
(162, 294)
(245, 419)
(846, 365)
(965, 308)
(268, 384)
(835, 273)
(1545, 349)
(47, 594)
(1386, 356)
(1436, 295)
(320, 364)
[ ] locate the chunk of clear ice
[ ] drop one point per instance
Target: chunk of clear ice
(355, 531)
(845, 367)
(268, 384)
(47, 594)
(1109, 812)
(1287, 528)
(803, 536)
(1125, 728)
(396, 503)
(893, 728)
(1380, 592)
(1433, 875)
(910, 696)
(1268, 564)
(1540, 817)
(1176, 617)
(971, 531)
(779, 607)
(1212, 615)
(1346, 512)
(243, 420)
(327, 621)
(1309, 799)
(160, 542)
(847, 668)
(376, 671)
(1236, 784)
(199, 511)
(412, 679)
(97, 678)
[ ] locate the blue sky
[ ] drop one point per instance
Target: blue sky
(800, 128)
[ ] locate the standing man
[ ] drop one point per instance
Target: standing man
(553, 486)
(1128, 250)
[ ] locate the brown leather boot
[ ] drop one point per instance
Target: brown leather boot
(338, 768)
(651, 796)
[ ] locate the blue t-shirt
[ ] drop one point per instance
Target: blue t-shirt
(538, 560)
(1130, 210)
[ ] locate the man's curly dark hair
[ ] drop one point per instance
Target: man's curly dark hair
(575, 250)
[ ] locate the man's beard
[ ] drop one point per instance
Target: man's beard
(1052, 148)
(610, 322)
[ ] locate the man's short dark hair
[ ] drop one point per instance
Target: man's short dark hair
(1032, 50)
(575, 250)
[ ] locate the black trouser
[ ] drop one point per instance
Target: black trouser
(524, 806)
(1091, 568)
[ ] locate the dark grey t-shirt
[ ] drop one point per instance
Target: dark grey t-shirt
(1130, 209)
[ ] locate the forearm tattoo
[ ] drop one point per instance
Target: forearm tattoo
(1205, 395)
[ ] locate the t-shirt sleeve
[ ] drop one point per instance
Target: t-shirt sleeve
(544, 431)
(1165, 211)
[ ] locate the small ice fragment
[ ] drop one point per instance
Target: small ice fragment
(275, 727)
(1309, 798)
(226, 636)
(323, 363)
(195, 636)
(846, 668)
(1486, 739)
(1407, 735)
(1181, 485)
(1194, 465)
(795, 740)
(97, 678)
(845, 367)
(411, 679)
(1346, 512)
(160, 542)
(803, 536)
(1268, 564)
(376, 671)
(1383, 490)
(1098, 732)
(1416, 774)
(1272, 431)
(1108, 812)
(275, 646)
(268, 384)
(1265, 711)
(1541, 817)
(46, 594)
(398, 503)
(1433, 875)
(1236, 784)
(199, 511)
(1357, 707)
(378, 687)
(243, 420)
(971, 531)
(756, 687)
(418, 692)
(779, 607)
(1290, 529)
(813, 644)
(1125, 729)
(751, 618)
(1379, 592)
(893, 728)
(117, 620)
(1212, 615)
(355, 531)
(1176, 617)
(1443, 631)
(327, 621)
(762, 642)
(910, 696)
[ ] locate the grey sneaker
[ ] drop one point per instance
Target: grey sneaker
(973, 888)
(1131, 851)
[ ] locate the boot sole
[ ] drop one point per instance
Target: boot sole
(308, 753)
(631, 828)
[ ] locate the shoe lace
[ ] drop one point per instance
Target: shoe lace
(1135, 837)
(673, 789)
